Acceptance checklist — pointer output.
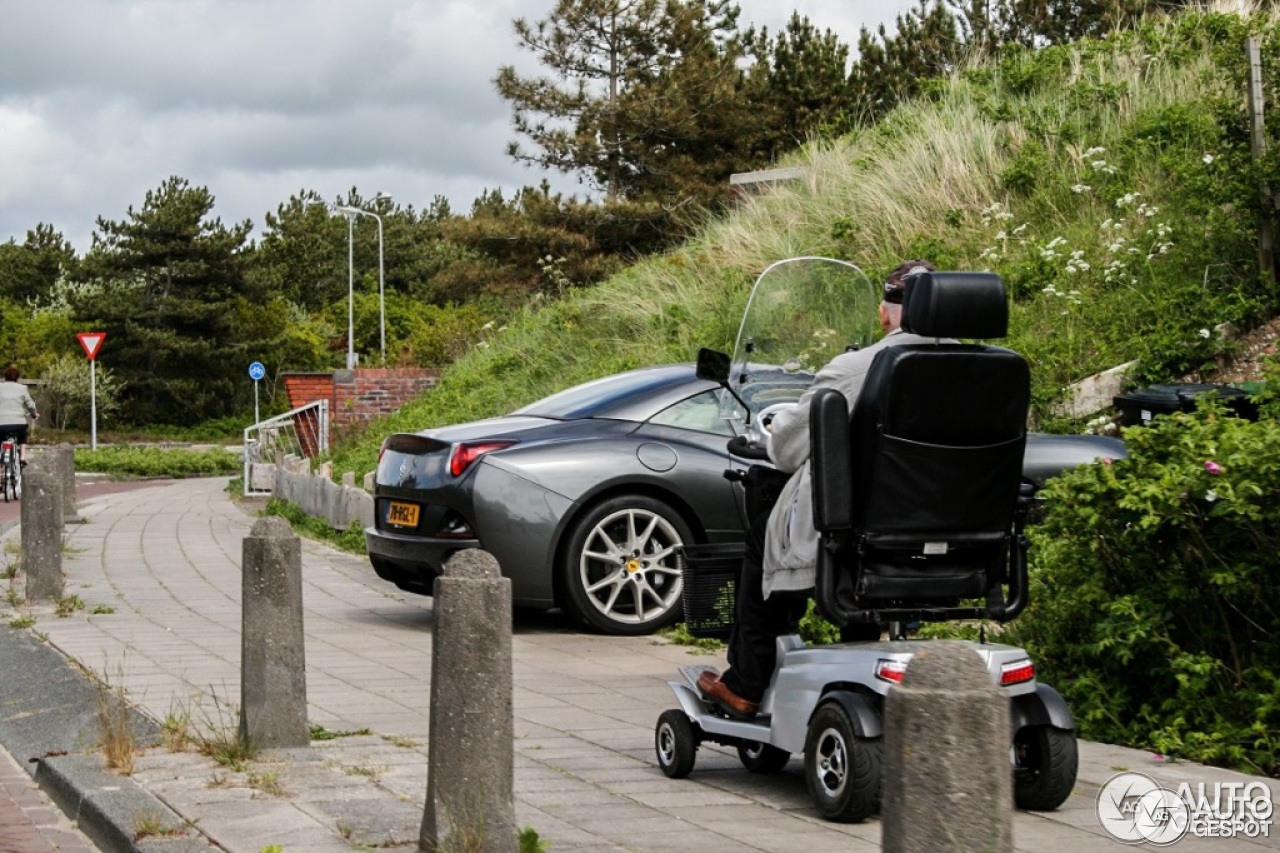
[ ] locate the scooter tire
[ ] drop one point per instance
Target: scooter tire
(841, 769)
(1047, 760)
(763, 757)
(676, 743)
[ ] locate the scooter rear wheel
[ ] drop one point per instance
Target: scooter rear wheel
(841, 769)
(1047, 760)
(676, 743)
(763, 757)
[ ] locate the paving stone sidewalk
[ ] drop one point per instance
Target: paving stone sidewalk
(158, 570)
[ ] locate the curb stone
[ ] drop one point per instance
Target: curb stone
(49, 722)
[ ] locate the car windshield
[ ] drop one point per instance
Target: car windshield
(600, 396)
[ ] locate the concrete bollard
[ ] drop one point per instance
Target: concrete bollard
(470, 789)
(948, 781)
(66, 455)
(41, 520)
(273, 677)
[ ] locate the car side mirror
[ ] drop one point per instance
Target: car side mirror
(713, 365)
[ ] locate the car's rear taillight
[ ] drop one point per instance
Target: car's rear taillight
(1017, 672)
(383, 449)
(465, 453)
(890, 670)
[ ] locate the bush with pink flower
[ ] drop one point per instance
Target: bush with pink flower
(1155, 601)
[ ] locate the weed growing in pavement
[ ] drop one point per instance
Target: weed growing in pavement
(119, 743)
(68, 605)
(530, 842)
(401, 741)
(217, 735)
(102, 610)
(175, 730)
(11, 595)
(679, 635)
(153, 825)
(367, 772)
(267, 783)
(224, 742)
(272, 848)
(9, 572)
(22, 622)
(319, 732)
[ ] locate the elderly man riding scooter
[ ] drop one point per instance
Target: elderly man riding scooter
(778, 569)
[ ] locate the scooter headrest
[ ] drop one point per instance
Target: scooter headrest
(956, 305)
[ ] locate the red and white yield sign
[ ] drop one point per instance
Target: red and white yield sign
(91, 342)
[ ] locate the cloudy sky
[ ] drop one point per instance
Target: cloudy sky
(102, 100)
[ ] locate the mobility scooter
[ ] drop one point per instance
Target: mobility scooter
(920, 501)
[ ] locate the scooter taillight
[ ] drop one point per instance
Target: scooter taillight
(890, 670)
(1017, 672)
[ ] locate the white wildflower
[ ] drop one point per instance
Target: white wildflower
(1208, 158)
(1081, 188)
(1205, 333)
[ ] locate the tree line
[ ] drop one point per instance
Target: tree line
(651, 104)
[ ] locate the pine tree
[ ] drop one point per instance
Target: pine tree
(167, 289)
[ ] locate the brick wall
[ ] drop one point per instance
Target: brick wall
(359, 396)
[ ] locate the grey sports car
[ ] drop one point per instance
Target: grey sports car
(584, 496)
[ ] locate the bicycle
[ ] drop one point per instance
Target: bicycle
(10, 469)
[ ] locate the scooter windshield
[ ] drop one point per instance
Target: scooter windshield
(802, 312)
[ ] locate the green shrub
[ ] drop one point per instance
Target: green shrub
(157, 462)
(1154, 590)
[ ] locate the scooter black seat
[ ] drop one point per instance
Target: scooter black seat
(917, 485)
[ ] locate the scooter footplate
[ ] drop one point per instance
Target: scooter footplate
(691, 674)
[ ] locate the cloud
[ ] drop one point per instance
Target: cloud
(102, 100)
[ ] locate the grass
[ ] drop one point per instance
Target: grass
(319, 732)
(154, 825)
(115, 727)
(351, 539)
(67, 605)
(216, 735)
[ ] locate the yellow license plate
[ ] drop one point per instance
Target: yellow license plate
(402, 515)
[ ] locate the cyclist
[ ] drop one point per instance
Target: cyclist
(15, 405)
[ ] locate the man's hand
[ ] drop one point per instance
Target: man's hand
(742, 446)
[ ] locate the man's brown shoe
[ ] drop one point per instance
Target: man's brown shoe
(717, 691)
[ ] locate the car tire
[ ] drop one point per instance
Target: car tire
(842, 770)
(619, 571)
(1045, 773)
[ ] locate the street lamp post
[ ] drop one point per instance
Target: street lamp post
(351, 290)
(351, 212)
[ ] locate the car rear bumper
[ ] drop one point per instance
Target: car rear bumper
(411, 562)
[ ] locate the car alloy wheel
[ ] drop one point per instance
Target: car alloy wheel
(621, 568)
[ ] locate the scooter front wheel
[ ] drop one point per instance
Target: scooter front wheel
(676, 743)
(763, 757)
(841, 769)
